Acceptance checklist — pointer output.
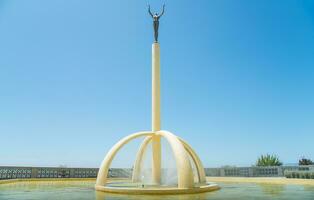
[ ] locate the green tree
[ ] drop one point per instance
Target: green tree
(305, 161)
(268, 160)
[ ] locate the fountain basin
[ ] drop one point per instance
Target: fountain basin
(232, 188)
(138, 189)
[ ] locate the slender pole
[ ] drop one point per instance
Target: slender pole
(156, 146)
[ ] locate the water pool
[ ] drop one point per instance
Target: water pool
(84, 190)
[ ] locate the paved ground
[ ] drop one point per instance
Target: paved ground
(269, 180)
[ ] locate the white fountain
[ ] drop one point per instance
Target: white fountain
(185, 156)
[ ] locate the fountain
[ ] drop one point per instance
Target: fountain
(185, 156)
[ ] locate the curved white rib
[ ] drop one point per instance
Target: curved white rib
(103, 170)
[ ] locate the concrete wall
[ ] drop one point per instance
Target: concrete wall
(13, 172)
(276, 171)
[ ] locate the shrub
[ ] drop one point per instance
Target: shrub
(303, 175)
(268, 160)
(288, 174)
(305, 161)
(299, 174)
(294, 175)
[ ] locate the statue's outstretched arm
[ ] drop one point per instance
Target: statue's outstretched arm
(151, 14)
(163, 10)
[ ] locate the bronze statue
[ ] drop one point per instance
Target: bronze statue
(156, 17)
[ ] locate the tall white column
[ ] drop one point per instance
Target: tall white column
(156, 146)
(155, 87)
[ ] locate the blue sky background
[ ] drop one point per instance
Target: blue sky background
(237, 79)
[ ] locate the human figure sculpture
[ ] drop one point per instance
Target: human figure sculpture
(156, 18)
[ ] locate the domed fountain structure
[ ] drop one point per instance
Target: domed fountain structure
(185, 156)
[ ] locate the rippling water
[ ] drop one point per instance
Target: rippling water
(85, 190)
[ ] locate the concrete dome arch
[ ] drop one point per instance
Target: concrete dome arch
(180, 149)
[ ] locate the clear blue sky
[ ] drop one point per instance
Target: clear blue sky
(237, 79)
